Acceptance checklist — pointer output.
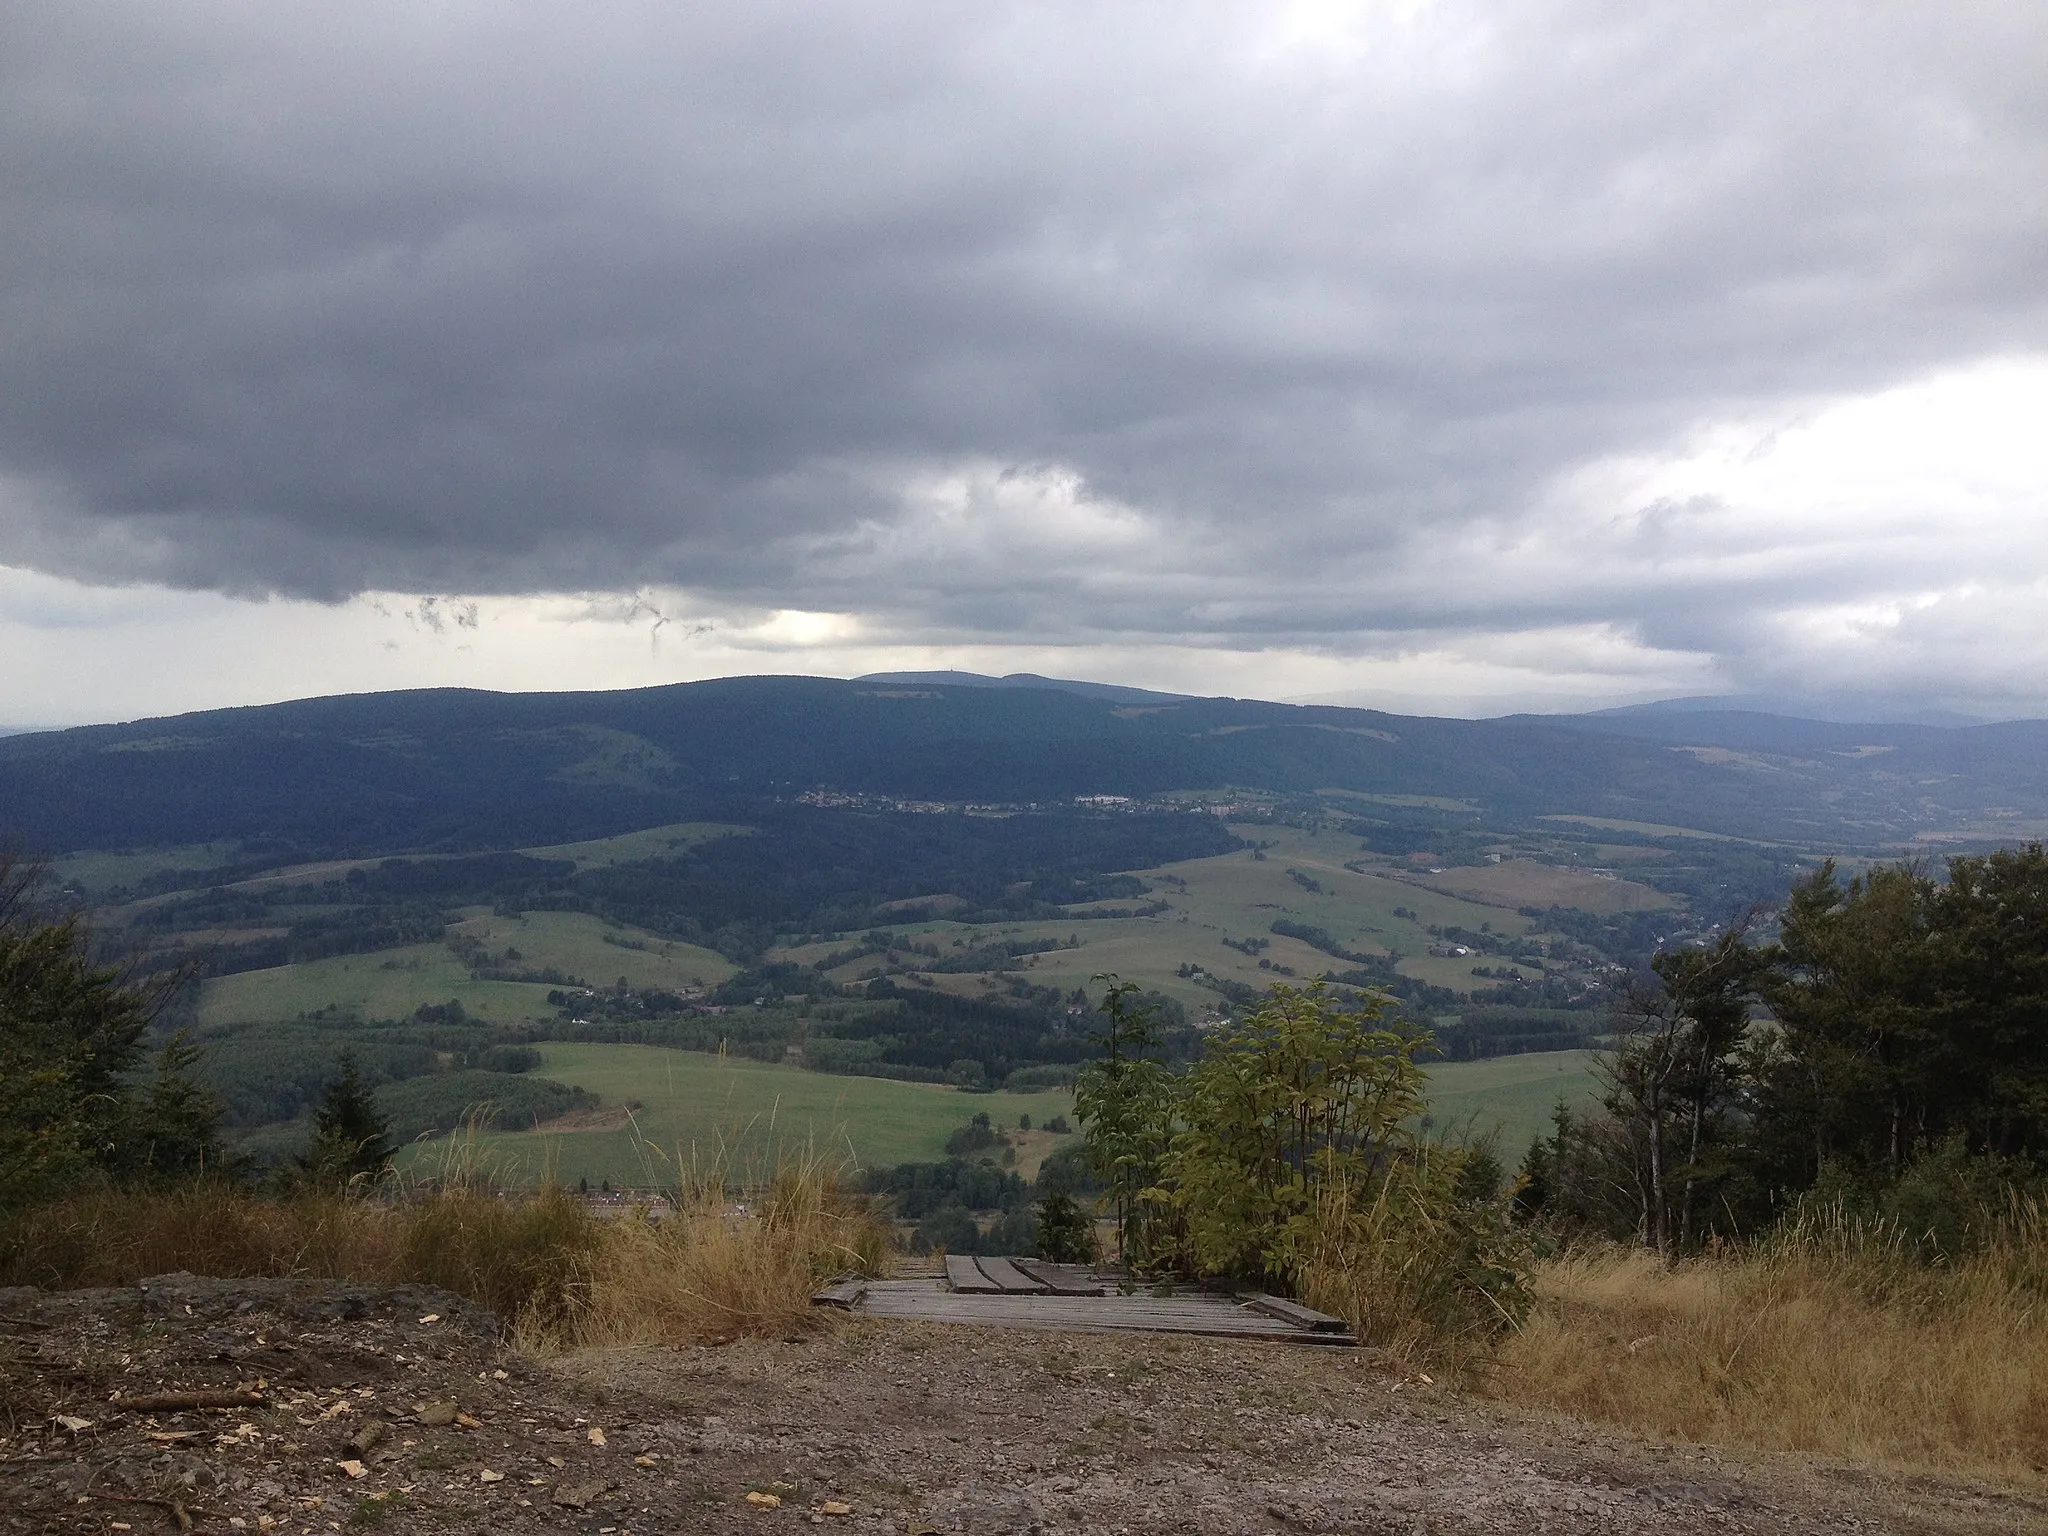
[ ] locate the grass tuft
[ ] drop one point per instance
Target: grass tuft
(713, 1269)
(1833, 1338)
(559, 1275)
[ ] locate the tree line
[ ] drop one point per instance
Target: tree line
(83, 1096)
(1879, 1044)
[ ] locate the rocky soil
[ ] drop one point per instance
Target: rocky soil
(307, 1407)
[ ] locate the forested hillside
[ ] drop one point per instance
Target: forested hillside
(462, 769)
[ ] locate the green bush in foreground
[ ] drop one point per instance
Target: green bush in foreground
(1289, 1154)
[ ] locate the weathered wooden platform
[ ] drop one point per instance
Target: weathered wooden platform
(1026, 1293)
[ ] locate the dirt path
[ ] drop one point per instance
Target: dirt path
(868, 1426)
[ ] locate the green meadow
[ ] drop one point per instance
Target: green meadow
(600, 953)
(696, 1110)
(1239, 896)
(97, 872)
(1510, 1096)
(391, 983)
(388, 984)
(663, 842)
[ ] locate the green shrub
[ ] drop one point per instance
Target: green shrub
(1292, 1157)
(1065, 1234)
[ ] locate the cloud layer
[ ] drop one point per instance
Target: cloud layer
(1577, 339)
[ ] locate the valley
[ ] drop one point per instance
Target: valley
(887, 908)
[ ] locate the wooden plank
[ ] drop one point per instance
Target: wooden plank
(1208, 1315)
(1294, 1312)
(1061, 1279)
(844, 1294)
(965, 1276)
(1010, 1279)
(1018, 1313)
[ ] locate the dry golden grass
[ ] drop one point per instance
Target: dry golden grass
(706, 1271)
(559, 1275)
(510, 1256)
(1418, 1276)
(1827, 1340)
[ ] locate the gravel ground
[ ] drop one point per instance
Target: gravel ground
(400, 1411)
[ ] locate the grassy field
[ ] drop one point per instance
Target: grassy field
(701, 1108)
(649, 843)
(600, 953)
(95, 873)
(1238, 896)
(1512, 1095)
(1525, 883)
(1651, 829)
(1296, 874)
(389, 984)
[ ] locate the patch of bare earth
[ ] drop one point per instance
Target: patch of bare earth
(401, 1410)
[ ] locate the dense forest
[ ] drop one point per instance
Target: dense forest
(453, 770)
(1884, 1050)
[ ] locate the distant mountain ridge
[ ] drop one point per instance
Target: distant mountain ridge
(1830, 709)
(1116, 691)
(456, 768)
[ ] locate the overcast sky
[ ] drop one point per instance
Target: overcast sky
(1456, 357)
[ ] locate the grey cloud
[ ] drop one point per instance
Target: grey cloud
(496, 299)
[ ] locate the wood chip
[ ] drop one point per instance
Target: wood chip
(580, 1495)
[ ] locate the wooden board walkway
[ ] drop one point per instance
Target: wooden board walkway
(1025, 1293)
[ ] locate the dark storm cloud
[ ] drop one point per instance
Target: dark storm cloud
(497, 298)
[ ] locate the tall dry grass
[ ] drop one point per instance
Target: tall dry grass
(557, 1273)
(1832, 1338)
(1419, 1274)
(710, 1270)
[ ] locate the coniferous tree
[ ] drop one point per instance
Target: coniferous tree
(351, 1138)
(71, 1038)
(176, 1132)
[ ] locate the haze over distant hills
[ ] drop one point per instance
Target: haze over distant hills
(1116, 691)
(1834, 709)
(463, 768)
(1829, 708)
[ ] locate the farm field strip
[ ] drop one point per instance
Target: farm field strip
(631, 847)
(391, 983)
(385, 984)
(698, 1109)
(1232, 896)
(599, 952)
